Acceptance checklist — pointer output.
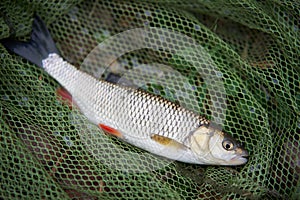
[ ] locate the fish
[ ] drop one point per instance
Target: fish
(137, 117)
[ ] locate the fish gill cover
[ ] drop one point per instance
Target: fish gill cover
(48, 150)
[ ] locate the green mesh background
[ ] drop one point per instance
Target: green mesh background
(255, 45)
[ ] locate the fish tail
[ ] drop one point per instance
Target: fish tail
(37, 48)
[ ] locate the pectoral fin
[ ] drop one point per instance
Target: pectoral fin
(166, 141)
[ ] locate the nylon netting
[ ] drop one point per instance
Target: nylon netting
(253, 44)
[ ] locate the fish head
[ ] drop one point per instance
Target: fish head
(214, 147)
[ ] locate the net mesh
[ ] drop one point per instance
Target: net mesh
(253, 44)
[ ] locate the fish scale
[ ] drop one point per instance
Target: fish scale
(121, 107)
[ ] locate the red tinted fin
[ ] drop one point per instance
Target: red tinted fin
(64, 95)
(110, 130)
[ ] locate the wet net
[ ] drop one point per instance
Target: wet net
(49, 151)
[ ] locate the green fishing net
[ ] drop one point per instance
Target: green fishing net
(51, 151)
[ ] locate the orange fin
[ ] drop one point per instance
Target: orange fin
(65, 96)
(166, 141)
(110, 130)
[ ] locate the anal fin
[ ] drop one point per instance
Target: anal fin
(110, 130)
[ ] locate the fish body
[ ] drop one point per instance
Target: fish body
(137, 117)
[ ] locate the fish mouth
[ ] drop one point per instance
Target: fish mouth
(245, 154)
(242, 152)
(240, 158)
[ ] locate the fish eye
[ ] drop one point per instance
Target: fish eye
(228, 145)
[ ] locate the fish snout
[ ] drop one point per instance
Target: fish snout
(242, 152)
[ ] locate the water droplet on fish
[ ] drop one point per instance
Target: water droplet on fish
(162, 38)
(85, 31)
(275, 81)
(219, 74)
(146, 23)
(196, 27)
(156, 91)
(22, 72)
(147, 13)
(68, 141)
(134, 62)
